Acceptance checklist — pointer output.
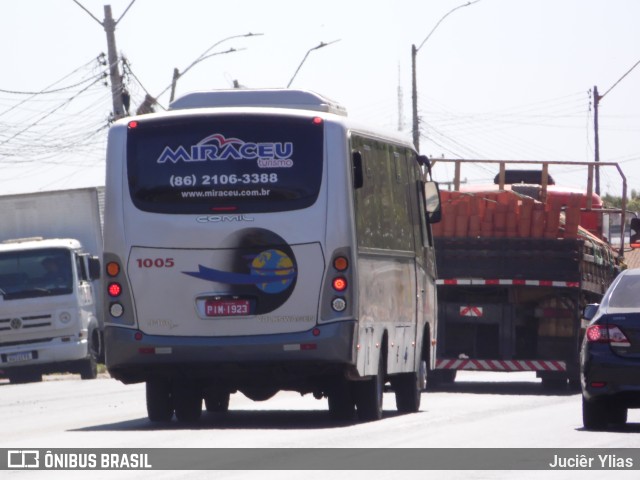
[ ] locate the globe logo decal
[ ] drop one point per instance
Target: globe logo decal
(271, 271)
(273, 264)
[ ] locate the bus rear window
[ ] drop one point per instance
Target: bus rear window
(231, 163)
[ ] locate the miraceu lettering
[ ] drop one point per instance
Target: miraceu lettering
(218, 148)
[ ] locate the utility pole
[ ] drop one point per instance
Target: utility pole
(414, 100)
(109, 25)
(596, 101)
(114, 71)
(414, 87)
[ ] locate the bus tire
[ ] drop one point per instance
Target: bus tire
(407, 387)
(341, 403)
(159, 400)
(187, 401)
(217, 402)
(369, 393)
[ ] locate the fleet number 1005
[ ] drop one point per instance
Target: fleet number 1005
(155, 262)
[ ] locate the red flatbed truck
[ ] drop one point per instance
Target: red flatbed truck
(516, 264)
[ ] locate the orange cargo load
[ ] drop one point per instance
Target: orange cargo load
(499, 214)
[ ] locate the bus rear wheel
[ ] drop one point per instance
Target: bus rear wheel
(368, 395)
(341, 403)
(217, 401)
(159, 400)
(407, 387)
(187, 401)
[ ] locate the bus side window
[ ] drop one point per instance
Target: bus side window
(358, 176)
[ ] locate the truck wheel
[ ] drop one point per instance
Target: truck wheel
(594, 414)
(342, 407)
(187, 401)
(554, 383)
(24, 377)
(88, 368)
(159, 400)
(217, 401)
(438, 378)
(368, 395)
(408, 391)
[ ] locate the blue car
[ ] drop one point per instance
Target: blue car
(610, 354)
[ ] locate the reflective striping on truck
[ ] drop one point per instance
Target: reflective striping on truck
(502, 365)
(506, 281)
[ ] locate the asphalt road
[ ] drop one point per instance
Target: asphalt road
(481, 410)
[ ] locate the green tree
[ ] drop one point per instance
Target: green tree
(633, 204)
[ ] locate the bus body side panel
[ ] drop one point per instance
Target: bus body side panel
(386, 224)
(387, 304)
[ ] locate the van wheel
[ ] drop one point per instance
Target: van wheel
(159, 400)
(368, 394)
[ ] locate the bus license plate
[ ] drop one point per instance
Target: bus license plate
(226, 308)
(19, 357)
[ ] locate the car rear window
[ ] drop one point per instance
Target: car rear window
(626, 294)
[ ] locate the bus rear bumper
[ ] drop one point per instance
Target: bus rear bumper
(135, 357)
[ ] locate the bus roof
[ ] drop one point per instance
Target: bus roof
(277, 98)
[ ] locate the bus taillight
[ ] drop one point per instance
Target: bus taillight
(339, 284)
(113, 269)
(114, 289)
(339, 304)
(340, 264)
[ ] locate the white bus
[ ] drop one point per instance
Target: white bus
(258, 241)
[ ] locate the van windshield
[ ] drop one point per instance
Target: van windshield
(224, 163)
(35, 273)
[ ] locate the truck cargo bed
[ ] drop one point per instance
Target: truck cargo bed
(513, 258)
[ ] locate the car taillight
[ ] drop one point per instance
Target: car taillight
(610, 334)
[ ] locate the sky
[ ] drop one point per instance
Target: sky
(496, 79)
